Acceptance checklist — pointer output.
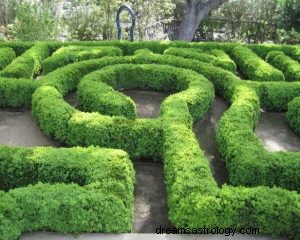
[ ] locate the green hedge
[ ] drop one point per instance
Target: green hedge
(253, 67)
(66, 55)
(275, 96)
(16, 93)
(151, 77)
(140, 138)
(248, 160)
(293, 114)
(195, 201)
(96, 93)
(287, 65)
(61, 121)
(143, 51)
(129, 48)
(190, 53)
(217, 57)
(223, 60)
(194, 198)
(29, 64)
(97, 96)
(18, 47)
(66, 79)
(296, 54)
(262, 50)
(52, 112)
(7, 55)
(100, 201)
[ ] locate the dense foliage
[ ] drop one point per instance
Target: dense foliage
(78, 196)
(90, 189)
(236, 20)
(293, 114)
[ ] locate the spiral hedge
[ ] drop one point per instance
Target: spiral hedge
(90, 188)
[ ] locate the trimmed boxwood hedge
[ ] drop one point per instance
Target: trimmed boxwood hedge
(216, 57)
(66, 55)
(248, 160)
(293, 114)
(141, 137)
(52, 112)
(223, 60)
(16, 92)
(29, 64)
(262, 50)
(194, 199)
(224, 81)
(91, 190)
(287, 65)
(253, 67)
(7, 55)
(18, 47)
(94, 94)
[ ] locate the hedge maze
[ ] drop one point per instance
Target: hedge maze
(88, 187)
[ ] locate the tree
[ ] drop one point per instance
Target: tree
(35, 21)
(150, 16)
(195, 12)
(289, 14)
(7, 11)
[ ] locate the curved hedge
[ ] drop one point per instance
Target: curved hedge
(94, 94)
(293, 114)
(93, 194)
(225, 82)
(248, 160)
(287, 65)
(223, 60)
(71, 54)
(253, 67)
(141, 137)
(7, 55)
(29, 64)
(217, 58)
(194, 199)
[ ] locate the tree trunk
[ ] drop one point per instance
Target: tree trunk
(195, 12)
(189, 25)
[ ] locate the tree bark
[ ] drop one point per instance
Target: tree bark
(195, 12)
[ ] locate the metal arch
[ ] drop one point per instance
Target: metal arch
(127, 8)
